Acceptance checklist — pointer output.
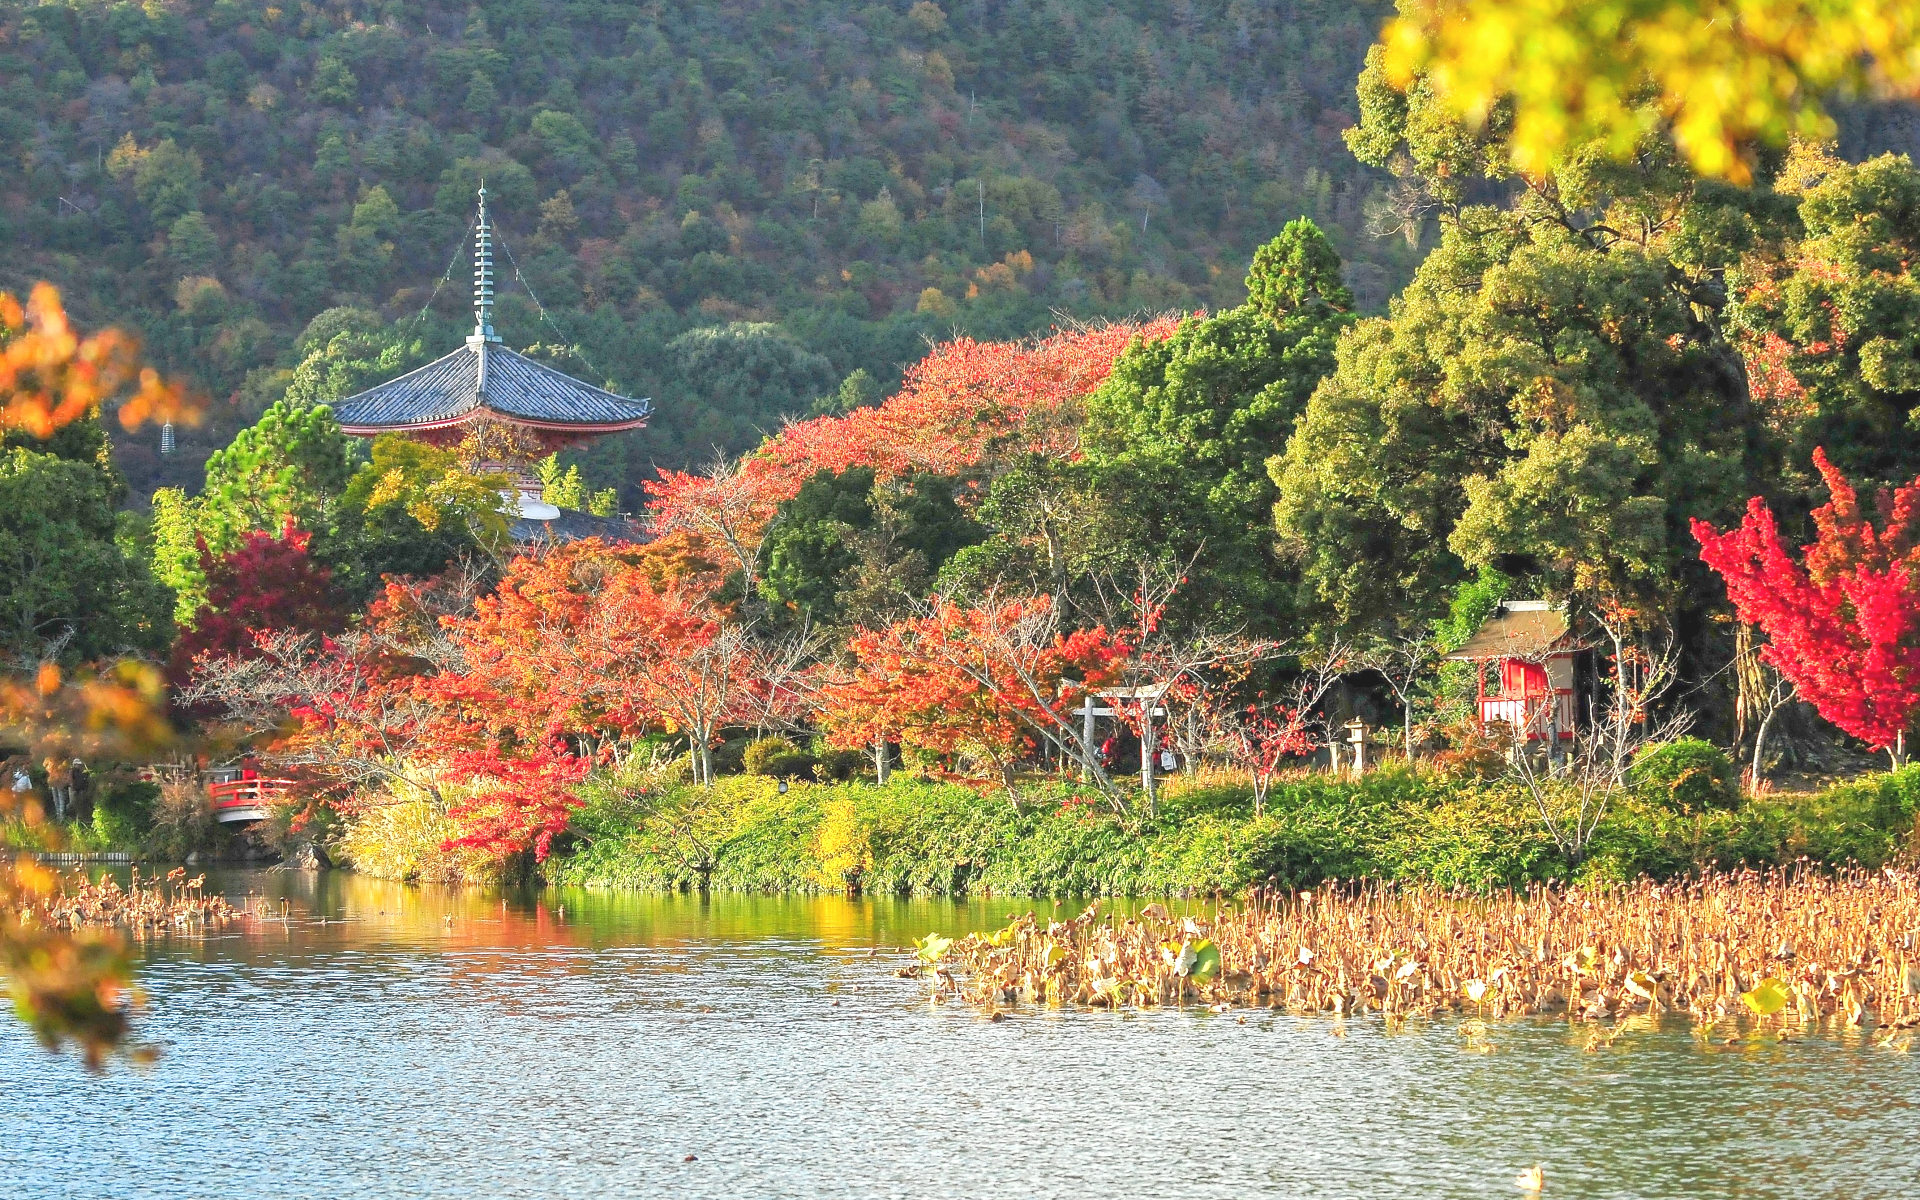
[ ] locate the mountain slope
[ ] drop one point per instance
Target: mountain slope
(833, 184)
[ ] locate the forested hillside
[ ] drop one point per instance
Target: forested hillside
(728, 206)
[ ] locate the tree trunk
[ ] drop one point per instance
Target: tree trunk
(1146, 756)
(705, 759)
(1056, 570)
(1085, 734)
(882, 761)
(1007, 781)
(1759, 749)
(1750, 707)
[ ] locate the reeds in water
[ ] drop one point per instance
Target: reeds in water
(172, 901)
(1787, 946)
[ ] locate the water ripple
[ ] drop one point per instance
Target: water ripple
(390, 1051)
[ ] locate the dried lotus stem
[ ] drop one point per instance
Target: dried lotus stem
(1793, 946)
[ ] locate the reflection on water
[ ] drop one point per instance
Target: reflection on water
(384, 1040)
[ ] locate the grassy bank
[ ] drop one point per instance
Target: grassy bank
(937, 838)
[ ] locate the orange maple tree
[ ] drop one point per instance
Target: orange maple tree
(579, 650)
(996, 679)
(576, 652)
(964, 406)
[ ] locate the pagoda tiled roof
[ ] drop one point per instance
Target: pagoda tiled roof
(507, 385)
(573, 525)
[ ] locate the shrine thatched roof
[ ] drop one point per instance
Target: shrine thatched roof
(1520, 629)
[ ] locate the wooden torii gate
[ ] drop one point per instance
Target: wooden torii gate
(1142, 695)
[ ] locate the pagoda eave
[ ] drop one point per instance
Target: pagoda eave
(489, 414)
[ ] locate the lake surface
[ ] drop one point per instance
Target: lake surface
(384, 1040)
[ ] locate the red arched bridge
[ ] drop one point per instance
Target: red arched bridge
(243, 799)
(235, 792)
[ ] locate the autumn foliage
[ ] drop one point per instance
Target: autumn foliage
(965, 404)
(50, 376)
(523, 802)
(990, 680)
(264, 583)
(1843, 622)
(580, 651)
(69, 987)
(1260, 738)
(593, 644)
(517, 694)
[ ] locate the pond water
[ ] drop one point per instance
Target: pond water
(384, 1040)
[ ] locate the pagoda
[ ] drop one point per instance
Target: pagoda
(503, 409)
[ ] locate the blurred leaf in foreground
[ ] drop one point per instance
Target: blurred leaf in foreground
(1721, 75)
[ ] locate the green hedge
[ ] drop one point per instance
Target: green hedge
(916, 836)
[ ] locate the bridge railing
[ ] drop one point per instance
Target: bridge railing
(245, 793)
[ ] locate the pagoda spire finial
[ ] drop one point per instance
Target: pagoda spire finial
(483, 277)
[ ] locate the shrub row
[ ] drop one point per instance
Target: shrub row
(918, 836)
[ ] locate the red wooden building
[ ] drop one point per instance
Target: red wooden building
(1525, 655)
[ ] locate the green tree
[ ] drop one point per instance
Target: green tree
(81, 441)
(568, 489)
(858, 390)
(191, 243)
(848, 549)
(483, 99)
(1531, 404)
(1049, 528)
(412, 509)
(291, 465)
(333, 82)
(70, 587)
(1553, 395)
(1299, 271)
(1185, 426)
(1834, 323)
(364, 243)
(563, 136)
(174, 531)
(165, 178)
(347, 350)
(808, 550)
(738, 382)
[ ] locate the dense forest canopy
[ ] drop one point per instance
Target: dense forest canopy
(730, 207)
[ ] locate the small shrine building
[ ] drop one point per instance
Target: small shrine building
(503, 408)
(1525, 655)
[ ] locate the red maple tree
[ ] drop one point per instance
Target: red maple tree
(265, 583)
(1843, 623)
(351, 715)
(522, 801)
(1260, 738)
